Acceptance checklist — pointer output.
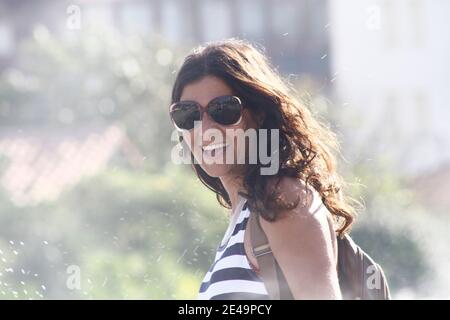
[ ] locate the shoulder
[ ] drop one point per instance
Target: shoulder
(301, 199)
(303, 241)
(307, 221)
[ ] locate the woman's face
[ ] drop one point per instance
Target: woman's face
(214, 162)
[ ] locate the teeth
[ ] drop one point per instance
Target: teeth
(214, 146)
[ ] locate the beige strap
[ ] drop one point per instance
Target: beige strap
(263, 253)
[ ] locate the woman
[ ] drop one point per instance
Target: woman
(227, 87)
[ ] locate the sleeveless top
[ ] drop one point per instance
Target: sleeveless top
(231, 276)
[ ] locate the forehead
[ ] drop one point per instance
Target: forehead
(205, 89)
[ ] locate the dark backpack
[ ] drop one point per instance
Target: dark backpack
(359, 276)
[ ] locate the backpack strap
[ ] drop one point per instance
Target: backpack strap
(270, 271)
(353, 264)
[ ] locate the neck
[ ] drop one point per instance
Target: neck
(232, 184)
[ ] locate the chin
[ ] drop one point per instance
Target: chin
(217, 170)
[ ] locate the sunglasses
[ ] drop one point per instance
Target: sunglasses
(224, 110)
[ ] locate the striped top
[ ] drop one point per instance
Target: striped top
(231, 277)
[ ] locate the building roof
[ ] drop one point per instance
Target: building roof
(37, 164)
(432, 188)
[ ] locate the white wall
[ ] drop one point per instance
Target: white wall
(391, 62)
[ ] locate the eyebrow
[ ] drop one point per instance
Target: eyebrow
(203, 106)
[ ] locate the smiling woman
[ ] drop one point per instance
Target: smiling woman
(230, 87)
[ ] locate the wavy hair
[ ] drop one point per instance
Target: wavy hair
(305, 144)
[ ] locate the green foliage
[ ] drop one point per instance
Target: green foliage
(93, 77)
(400, 256)
(382, 230)
(125, 231)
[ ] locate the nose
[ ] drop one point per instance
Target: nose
(207, 122)
(208, 128)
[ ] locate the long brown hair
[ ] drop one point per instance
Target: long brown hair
(305, 145)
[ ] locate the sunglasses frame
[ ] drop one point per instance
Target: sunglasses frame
(205, 109)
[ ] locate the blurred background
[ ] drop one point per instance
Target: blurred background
(91, 205)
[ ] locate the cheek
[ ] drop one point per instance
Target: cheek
(188, 140)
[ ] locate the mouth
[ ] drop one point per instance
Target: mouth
(213, 148)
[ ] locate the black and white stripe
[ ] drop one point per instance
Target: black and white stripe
(231, 276)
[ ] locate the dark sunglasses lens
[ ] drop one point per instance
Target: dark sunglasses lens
(225, 110)
(184, 115)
